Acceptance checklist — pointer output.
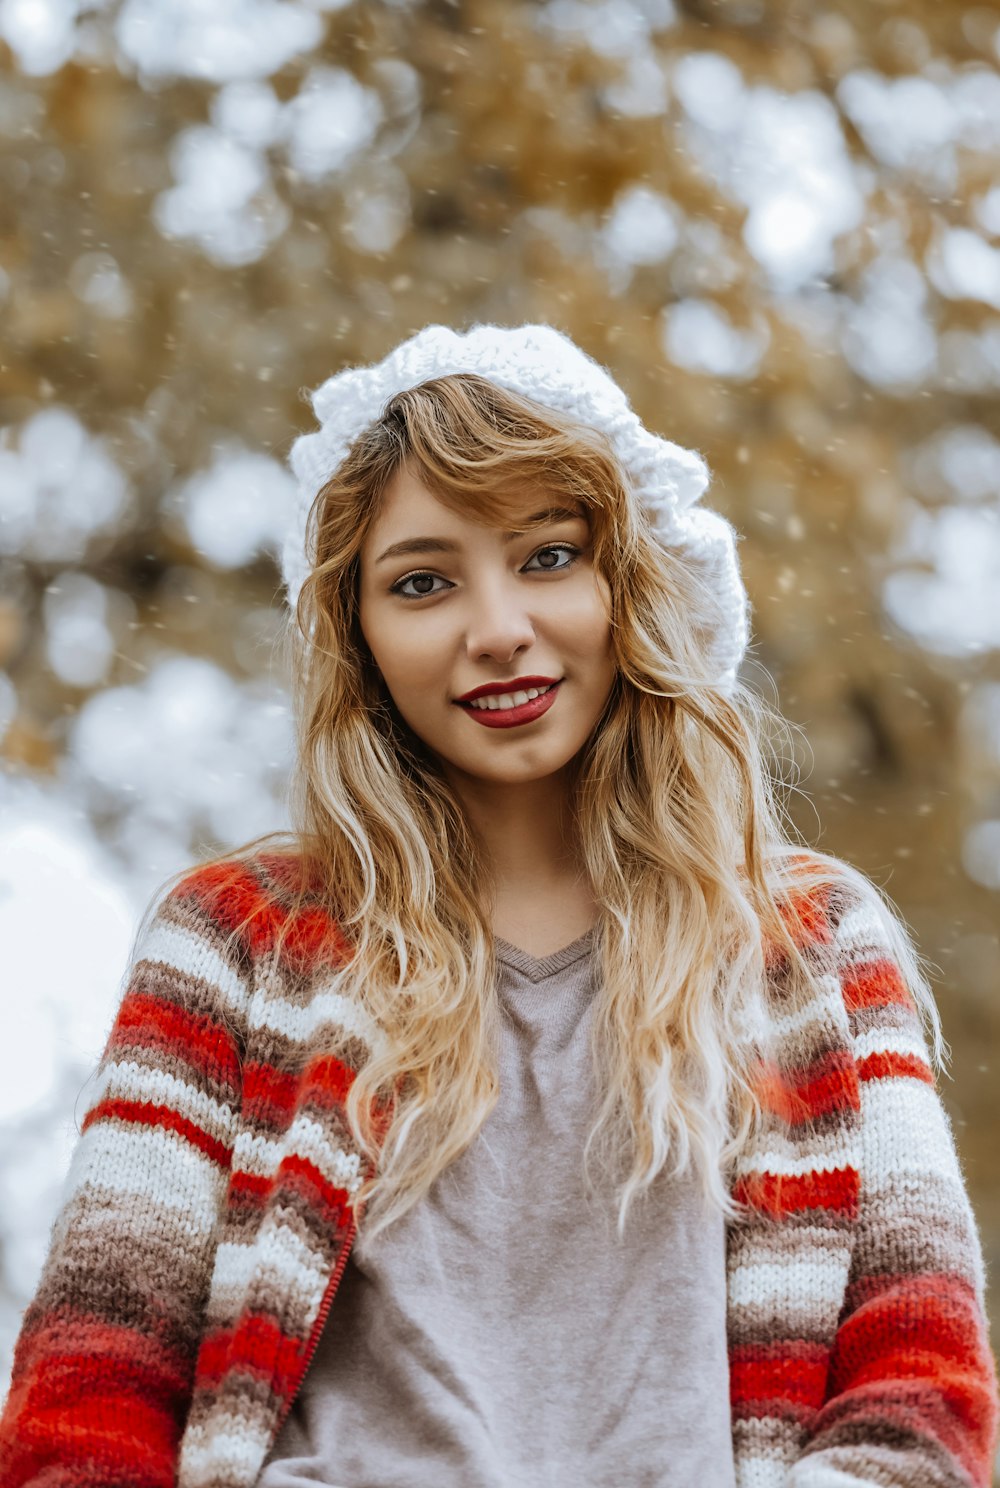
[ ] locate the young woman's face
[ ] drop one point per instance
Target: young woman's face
(482, 609)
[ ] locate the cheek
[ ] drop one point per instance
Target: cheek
(405, 652)
(588, 623)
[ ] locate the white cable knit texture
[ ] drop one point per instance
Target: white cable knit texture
(539, 362)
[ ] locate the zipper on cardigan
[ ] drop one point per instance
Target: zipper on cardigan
(321, 1316)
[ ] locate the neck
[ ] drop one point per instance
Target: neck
(527, 830)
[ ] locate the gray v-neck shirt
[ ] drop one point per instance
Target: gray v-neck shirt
(499, 1335)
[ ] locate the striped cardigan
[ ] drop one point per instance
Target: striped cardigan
(207, 1221)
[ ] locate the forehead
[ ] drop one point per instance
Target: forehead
(410, 509)
(405, 498)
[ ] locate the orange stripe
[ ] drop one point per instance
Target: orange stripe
(778, 1194)
(887, 1065)
(875, 984)
(828, 1084)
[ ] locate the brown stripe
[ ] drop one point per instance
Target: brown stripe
(873, 1445)
(924, 1227)
(151, 1287)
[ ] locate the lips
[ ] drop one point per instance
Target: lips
(516, 684)
(521, 713)
(501, 701)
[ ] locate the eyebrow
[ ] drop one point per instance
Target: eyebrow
(445, 545)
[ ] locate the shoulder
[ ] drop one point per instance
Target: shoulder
(254, 906)
(829, 906)
(846, 932)
(873, 954)
(867, 974)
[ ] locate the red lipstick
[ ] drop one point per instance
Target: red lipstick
(511, 717)
(517, 684)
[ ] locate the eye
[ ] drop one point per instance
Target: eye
(569, 549)
(397, 588)
(571, 552)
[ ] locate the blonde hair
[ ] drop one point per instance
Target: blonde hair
(681, 830)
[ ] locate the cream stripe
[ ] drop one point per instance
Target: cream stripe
(126, 1080)
(792, 1162)
(225, 1443)
(235, 1264)
(146, 1163)
(907, 1133)
(325, 1008)
(762, 1472)
(799, 1285)
(815, 1473)
(890, 1041)
(261, 1156)
(257, 1156)
(337, 1166)
(759, 1471)
(188, 952)
(825, 1009)
(287, 1267)
(863, 927)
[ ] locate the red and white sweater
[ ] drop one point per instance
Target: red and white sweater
(207, 1222)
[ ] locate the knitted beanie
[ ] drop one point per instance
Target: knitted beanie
(542, 363)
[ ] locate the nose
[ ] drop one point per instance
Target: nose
(499, 624)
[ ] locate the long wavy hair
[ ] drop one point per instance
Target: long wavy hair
(678, 803)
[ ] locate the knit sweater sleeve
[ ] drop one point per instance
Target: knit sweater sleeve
(104, 1363)
(911, 1396)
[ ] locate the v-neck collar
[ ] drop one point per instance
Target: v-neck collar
(536, 968)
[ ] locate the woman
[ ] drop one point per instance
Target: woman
(540, 1114)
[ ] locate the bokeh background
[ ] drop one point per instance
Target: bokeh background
(779, 225)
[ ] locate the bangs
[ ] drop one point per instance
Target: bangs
(497, 457)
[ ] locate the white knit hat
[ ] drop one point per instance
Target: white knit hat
(541, 363)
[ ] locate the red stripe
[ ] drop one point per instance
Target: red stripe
(776, 1195)
(94, 1392)
(313, 935)
(875, 984)
(237, 899)
(917, 1350)
(296, 1178)
(791, 1374)
(296, 1175)
(867, 1289)
(299, 1176)
(309, 935)
(273, 1095)
(65, 1330)
(805, 915)
(256, 1346)
(61, 1443)
(886, 1065)
(228, 892)
(248, 1190)
(912, 1330)
(326, 1082)
(269, 1094)
(144, 1113)
(145, 1020)
(827, 1084)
